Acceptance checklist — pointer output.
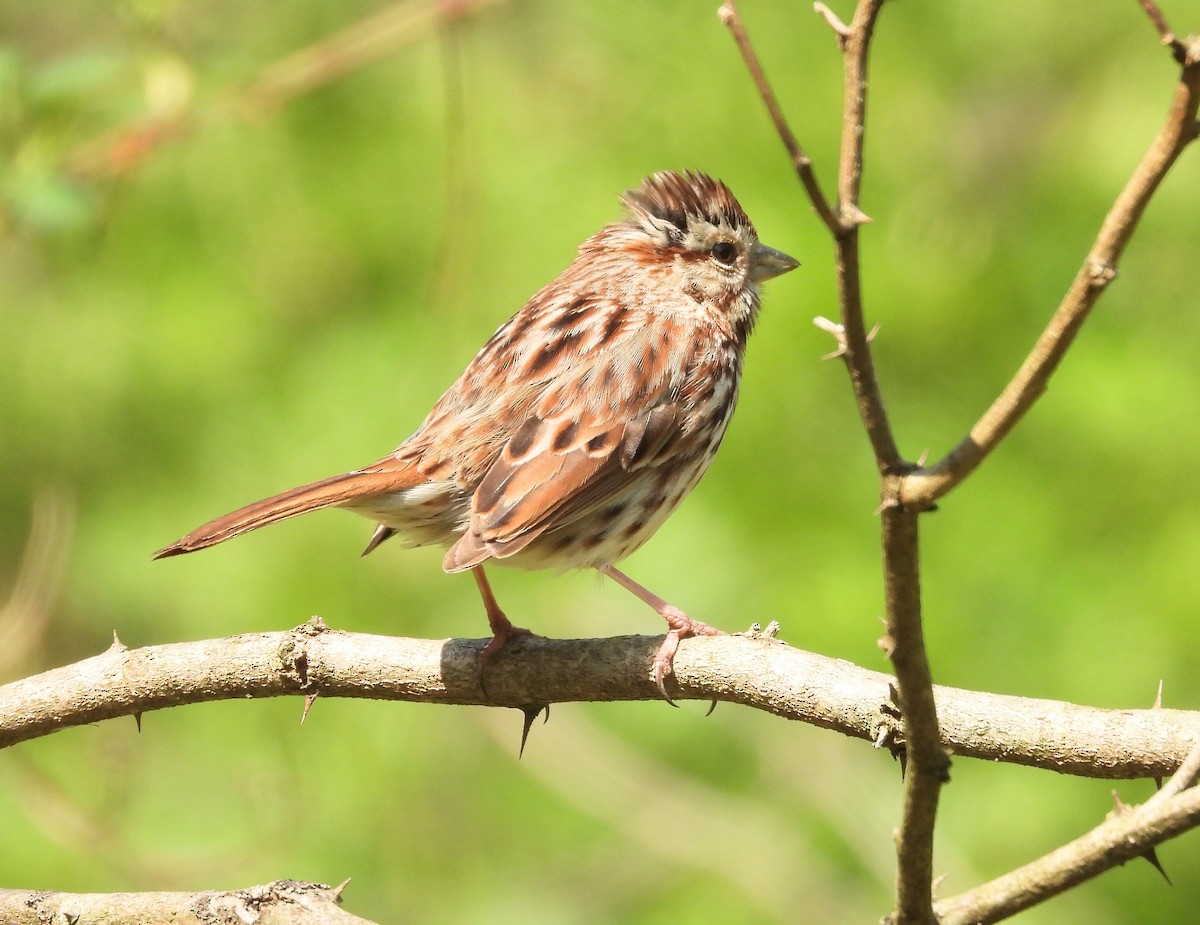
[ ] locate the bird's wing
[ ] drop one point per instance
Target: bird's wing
(557, 469)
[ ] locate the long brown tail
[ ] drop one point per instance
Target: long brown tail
(330, 492)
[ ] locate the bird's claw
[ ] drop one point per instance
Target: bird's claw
(682, 626)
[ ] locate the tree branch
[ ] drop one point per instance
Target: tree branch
(927, 766)
(857, 342)
(844, 220)
(800, 161)
(755, 671)
(1127, 833)
(907, 490)
(283, 902)
(922, 487)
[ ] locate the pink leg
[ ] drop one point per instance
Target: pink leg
(679, 624)
(502, 628)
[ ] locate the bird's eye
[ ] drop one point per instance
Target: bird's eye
(724, 252)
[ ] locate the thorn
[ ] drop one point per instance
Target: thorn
(117, 645)
(881, 737)
(339, 889)
(1152, 856)
(887, 644)
(840, 29)
(531, 711)
(1157, 705)
(852, 216)
(1120, 808)
(922, 459)
(837, 331)
(309, 700)
(712, 706)
(886, 504)
(137, 718)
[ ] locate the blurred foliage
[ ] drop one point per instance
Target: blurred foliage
(203, 304)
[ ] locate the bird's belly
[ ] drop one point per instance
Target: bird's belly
(431, 514)
(613, 531)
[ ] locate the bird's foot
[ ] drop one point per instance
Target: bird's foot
(681, 626)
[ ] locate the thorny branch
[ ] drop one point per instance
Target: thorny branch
(1128, 832)
(283, 902)
(907, 490)
(313, 661)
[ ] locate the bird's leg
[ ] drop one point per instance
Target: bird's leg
(502, 628)
(679, 624)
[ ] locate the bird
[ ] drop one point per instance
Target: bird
(583, 421)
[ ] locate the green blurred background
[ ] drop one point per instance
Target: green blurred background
(280, 292)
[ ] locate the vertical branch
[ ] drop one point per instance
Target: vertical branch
(856, 41)
(926, 762)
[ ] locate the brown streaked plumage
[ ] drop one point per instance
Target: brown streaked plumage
(585, 419)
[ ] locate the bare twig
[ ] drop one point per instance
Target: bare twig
(756, 671)
(800, 161)
(284, 902)
(844, 221)
(1124, 835)
(923, 487)
(1185, 777)
(840, 29)
(849, 278)
(1178, 48)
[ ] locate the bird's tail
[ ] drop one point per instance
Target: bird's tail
(381, 478)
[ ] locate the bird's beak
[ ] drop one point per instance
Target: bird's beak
(767, 263)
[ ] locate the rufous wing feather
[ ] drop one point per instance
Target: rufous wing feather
(379, 479)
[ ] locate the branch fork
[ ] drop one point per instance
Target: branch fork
(908, 489)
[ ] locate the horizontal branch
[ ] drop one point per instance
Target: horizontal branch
(1128, 832)
(756, 671)
(284, 902)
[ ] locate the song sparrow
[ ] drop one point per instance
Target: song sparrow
(584, 420)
